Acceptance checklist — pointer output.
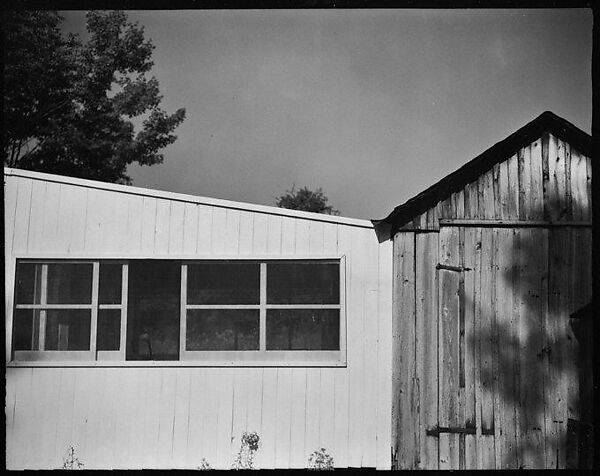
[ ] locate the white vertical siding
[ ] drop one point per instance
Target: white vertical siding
(172, 417)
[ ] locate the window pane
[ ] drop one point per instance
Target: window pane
(303, 329)
(222, 329)
(223, 283)
(109, 291)
(70, 283)
(68, 329)
(303, 283)
(153, 310)
(26, 329)
(109, 329)
(29, 280)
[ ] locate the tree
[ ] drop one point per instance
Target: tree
(307, 200)
(68, 106)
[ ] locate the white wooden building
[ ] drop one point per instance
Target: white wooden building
(149, 329)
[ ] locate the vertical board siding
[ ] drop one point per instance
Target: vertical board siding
(449, 372)
(298, 418)
(519, 360)
(173, 417)
(133, 236)
(404, 415)
(355, 341)
(527, 186)
(517, 355)
(284, 418)
(384, 356)
(426, 255)
(469, 256)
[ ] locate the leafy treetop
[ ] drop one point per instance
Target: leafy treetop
(307, 200)
(68, 105)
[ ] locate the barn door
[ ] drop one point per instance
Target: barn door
(463, 422)
(505, 387)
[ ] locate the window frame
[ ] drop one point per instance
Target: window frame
(239, 358)
(42, 354)
(262, 356)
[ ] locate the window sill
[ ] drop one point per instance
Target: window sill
(175, 364)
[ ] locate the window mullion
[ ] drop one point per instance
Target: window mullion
(43, 299)
(183, 311)
(263, 307)
(94, 317)
(124, 291)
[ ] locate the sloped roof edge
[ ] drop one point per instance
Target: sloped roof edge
(457, 180)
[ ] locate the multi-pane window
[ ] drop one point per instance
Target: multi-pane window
(210, 310)
(66, 309)
(303, 306)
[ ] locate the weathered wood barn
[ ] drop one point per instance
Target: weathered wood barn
(489, 264)
(151, 329)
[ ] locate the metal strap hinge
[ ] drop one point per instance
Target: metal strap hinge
(448, 267)
(436, 430)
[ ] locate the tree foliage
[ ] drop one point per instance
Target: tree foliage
(69, 105)
(307, 200)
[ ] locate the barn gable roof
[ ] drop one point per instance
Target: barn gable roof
(547, 122)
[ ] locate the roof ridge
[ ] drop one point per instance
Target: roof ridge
(546, 122)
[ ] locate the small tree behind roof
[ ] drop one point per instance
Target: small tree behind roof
(307, 200)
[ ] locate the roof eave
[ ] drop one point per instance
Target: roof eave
(547, 122)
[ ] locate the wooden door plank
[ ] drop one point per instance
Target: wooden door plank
(471, 253)
(556, 388)
(449, 365)
(426, 349)
(484, 276)
(531, 385)
(507, 344)
(404, 416)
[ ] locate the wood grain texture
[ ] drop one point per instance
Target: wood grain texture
(426, 345)
(448, 341)
(404, 415)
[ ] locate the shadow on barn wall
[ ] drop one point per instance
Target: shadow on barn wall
(530, 353)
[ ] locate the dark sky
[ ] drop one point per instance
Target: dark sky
(371, 105)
